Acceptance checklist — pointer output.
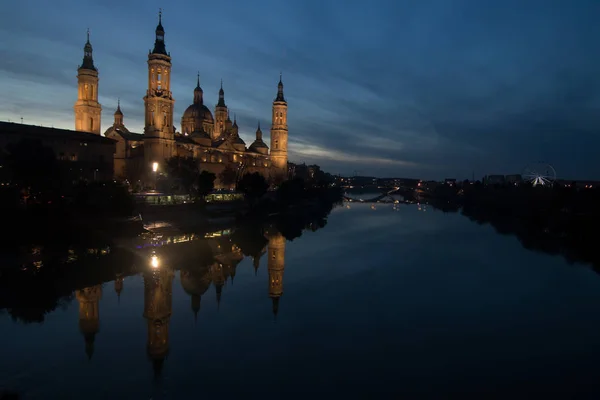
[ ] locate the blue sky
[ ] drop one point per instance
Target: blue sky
(420, 88)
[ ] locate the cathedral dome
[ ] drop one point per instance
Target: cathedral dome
(200, 113)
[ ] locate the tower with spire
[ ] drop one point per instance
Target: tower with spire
(88, 110)
(159, 142)
(89, 315)
(276, 265)
(279, 134)
(221, 113)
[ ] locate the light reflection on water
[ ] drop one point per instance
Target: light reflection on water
(375, 302)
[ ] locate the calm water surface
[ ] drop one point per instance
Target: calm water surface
(413, 302)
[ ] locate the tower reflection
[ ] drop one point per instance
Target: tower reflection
(158, 294)
(89, 315)
(216, 263)
(276, 265)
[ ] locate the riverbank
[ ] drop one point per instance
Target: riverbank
(552, 220)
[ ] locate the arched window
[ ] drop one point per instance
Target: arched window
(91, 124)
(151, 117)
(165, 119)
(276, 144)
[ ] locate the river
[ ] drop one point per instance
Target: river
(396, 299)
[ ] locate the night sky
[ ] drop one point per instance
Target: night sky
(423, 88)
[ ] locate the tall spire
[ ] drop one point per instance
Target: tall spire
(221, 102)
(258, 133)
(159, 43)
(88, 60)
(198, 92)
(280, 90)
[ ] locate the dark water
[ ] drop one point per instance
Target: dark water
(414, 302)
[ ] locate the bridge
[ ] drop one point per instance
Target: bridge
(407, 193)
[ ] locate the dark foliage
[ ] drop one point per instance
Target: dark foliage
(254, 186)
(205, 183)
(228, 176)
(183, 172)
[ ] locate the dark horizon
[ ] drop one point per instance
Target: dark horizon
(422, 89)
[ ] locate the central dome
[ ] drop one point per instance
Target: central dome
(200, 113)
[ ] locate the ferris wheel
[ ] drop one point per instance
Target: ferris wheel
(539, 174)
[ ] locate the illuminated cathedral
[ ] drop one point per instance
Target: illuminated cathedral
(211, 138)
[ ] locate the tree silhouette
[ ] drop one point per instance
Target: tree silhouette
(228, 176)
(184, 170)
(205, 183)
(254, 186)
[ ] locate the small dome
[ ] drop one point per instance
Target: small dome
(238, 140)
(199, 112)
(258, 146)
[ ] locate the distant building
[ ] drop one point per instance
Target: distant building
(450, 181)
(493, 180)
(90, 155)
(515, 178)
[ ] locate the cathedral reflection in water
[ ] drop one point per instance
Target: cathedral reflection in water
(158, 286)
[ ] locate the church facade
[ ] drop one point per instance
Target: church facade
(212, 139)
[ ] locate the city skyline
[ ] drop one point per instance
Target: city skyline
(425, 89)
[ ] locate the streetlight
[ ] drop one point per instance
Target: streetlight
(154, 169)
(154, 262)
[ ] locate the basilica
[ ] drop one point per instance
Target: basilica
(211, 138)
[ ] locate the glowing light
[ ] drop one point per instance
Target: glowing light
(155, 166)
(154, 262)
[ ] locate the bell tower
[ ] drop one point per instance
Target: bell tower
(87, 109)
(221, 114)
(276, 265)
(279, 134)
(159, 132)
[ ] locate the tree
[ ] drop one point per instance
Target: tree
(205, 183)
(184, 170)
(291, 191)
(254, 186)
(228, 176)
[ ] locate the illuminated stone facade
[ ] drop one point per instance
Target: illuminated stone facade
(213, 140)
